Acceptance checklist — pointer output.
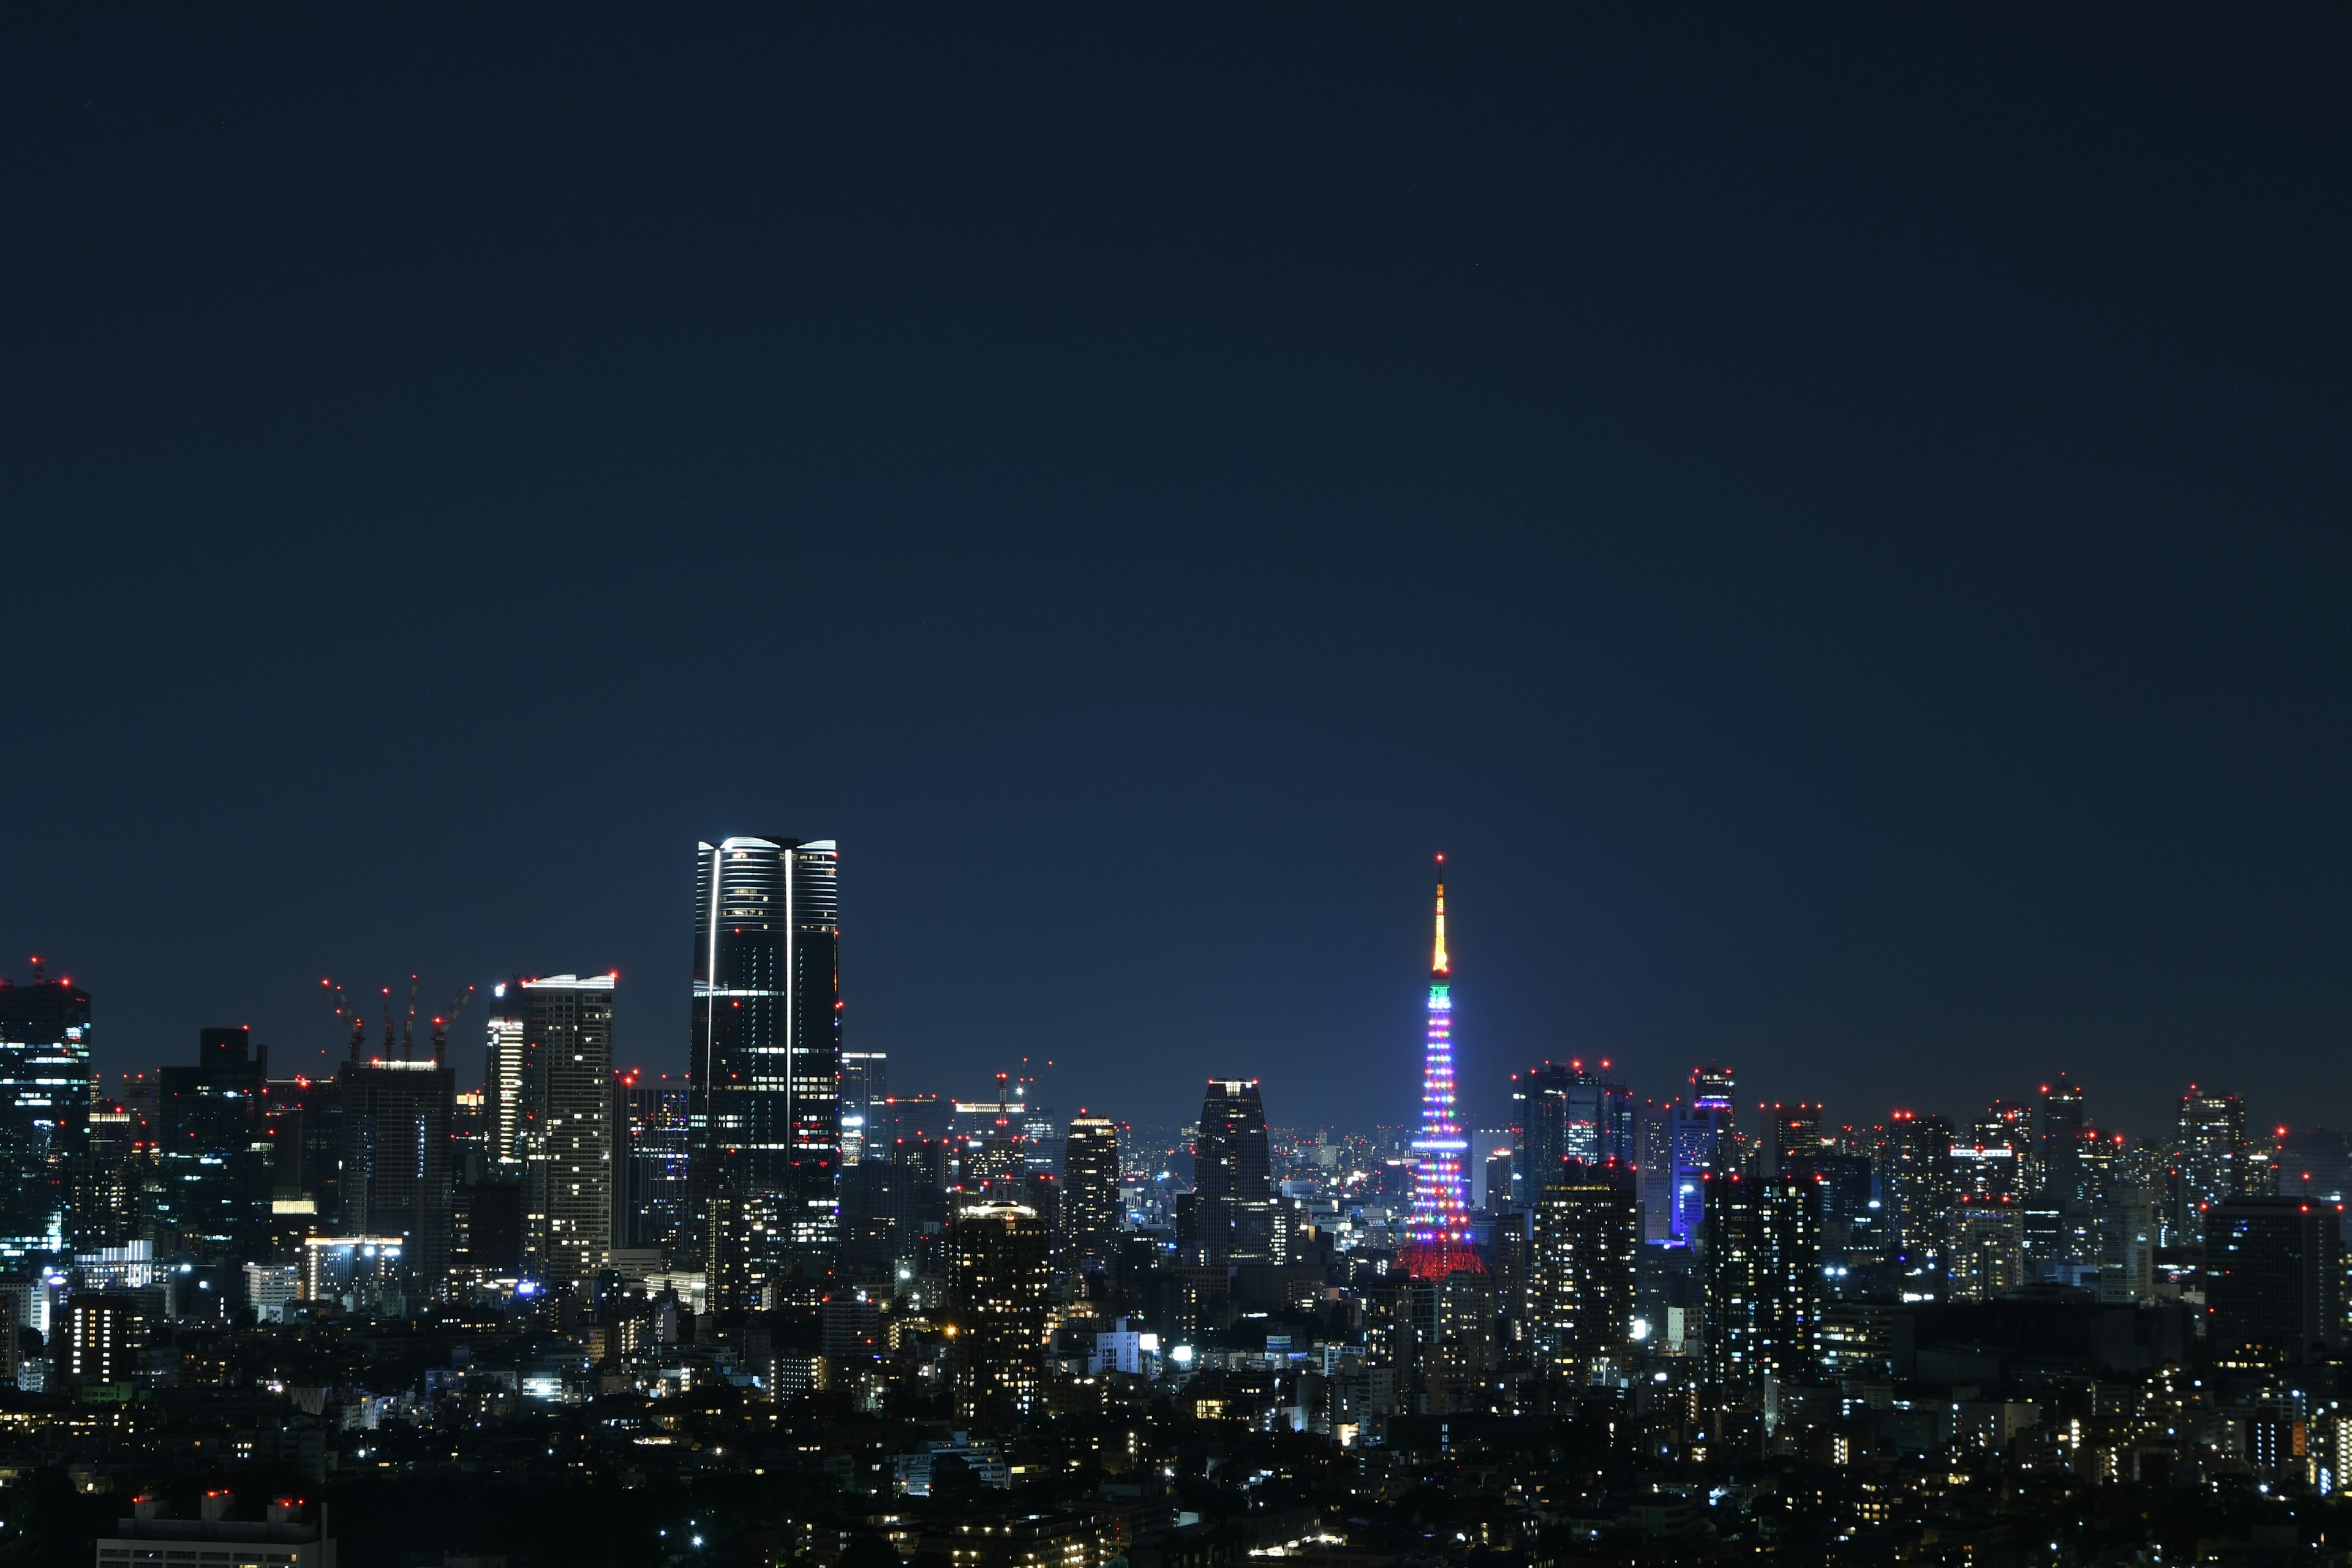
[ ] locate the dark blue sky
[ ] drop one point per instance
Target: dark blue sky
(1834, 521)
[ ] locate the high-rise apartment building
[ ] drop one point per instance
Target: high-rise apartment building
(1986, 1250)
(1764, 1294)
(1580, 1278)
(45, 1100)
(567, 1130)
(502, 1079)
(1000, 1300)
(1090, 1187)
(1233, 1174)
(765, 1105)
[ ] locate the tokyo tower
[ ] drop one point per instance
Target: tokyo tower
(1440, 1230)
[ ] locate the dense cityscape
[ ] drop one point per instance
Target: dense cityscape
(781, 1308)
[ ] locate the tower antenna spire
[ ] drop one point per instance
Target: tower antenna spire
(1437, 964)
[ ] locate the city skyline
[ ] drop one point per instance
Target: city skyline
(1493, 1098)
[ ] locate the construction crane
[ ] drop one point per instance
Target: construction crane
(387, 1024)
(408, 1029)
(448, 1016)
(350, 1019)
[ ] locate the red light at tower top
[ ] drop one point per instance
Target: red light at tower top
(1439, 1228)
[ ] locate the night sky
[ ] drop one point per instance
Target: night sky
(1834, 519)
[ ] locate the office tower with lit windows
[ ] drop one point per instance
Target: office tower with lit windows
(1580, 1274)
(45, 1100)
(566, 1124)
(1919, 1184)
(865, 1095)
(764, 1111)
(649, 1159)
(1090, 1212)
(1568, 1111)
(214, 1151)
(1000, 1303)
(1853, 1218)
(1438, 1236)
(2210, 1151)
(1790, 1132)
(2273, 1281)
(1763, 1274)
(1233, 1174)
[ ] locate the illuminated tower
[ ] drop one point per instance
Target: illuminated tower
(1441, 1207)
(764, 1077)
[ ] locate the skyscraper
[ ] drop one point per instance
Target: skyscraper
(213, 1149)
(1697, 1138)
(1580, 1284)
(395, 1168)
(1233, 1174)
(45, 1094)
(1920, 1184)
(764, 1111)
(1568, 1111)
(502, 1078)
(650, 1156)
(2209, 1152)
(1090, 1186)
(567, 1134)
(1763, 1279)
(2274, 1279)
(864, 1089)
(1440, 1227)
(999, 1297)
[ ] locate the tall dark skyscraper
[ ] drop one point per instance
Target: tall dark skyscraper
(764, 1106)
(1568, 1111)
(2273, 1281)
(45, 1094)
(1234, 1172)
(649, 1159)
(213, 1149)
(1089, 1213)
